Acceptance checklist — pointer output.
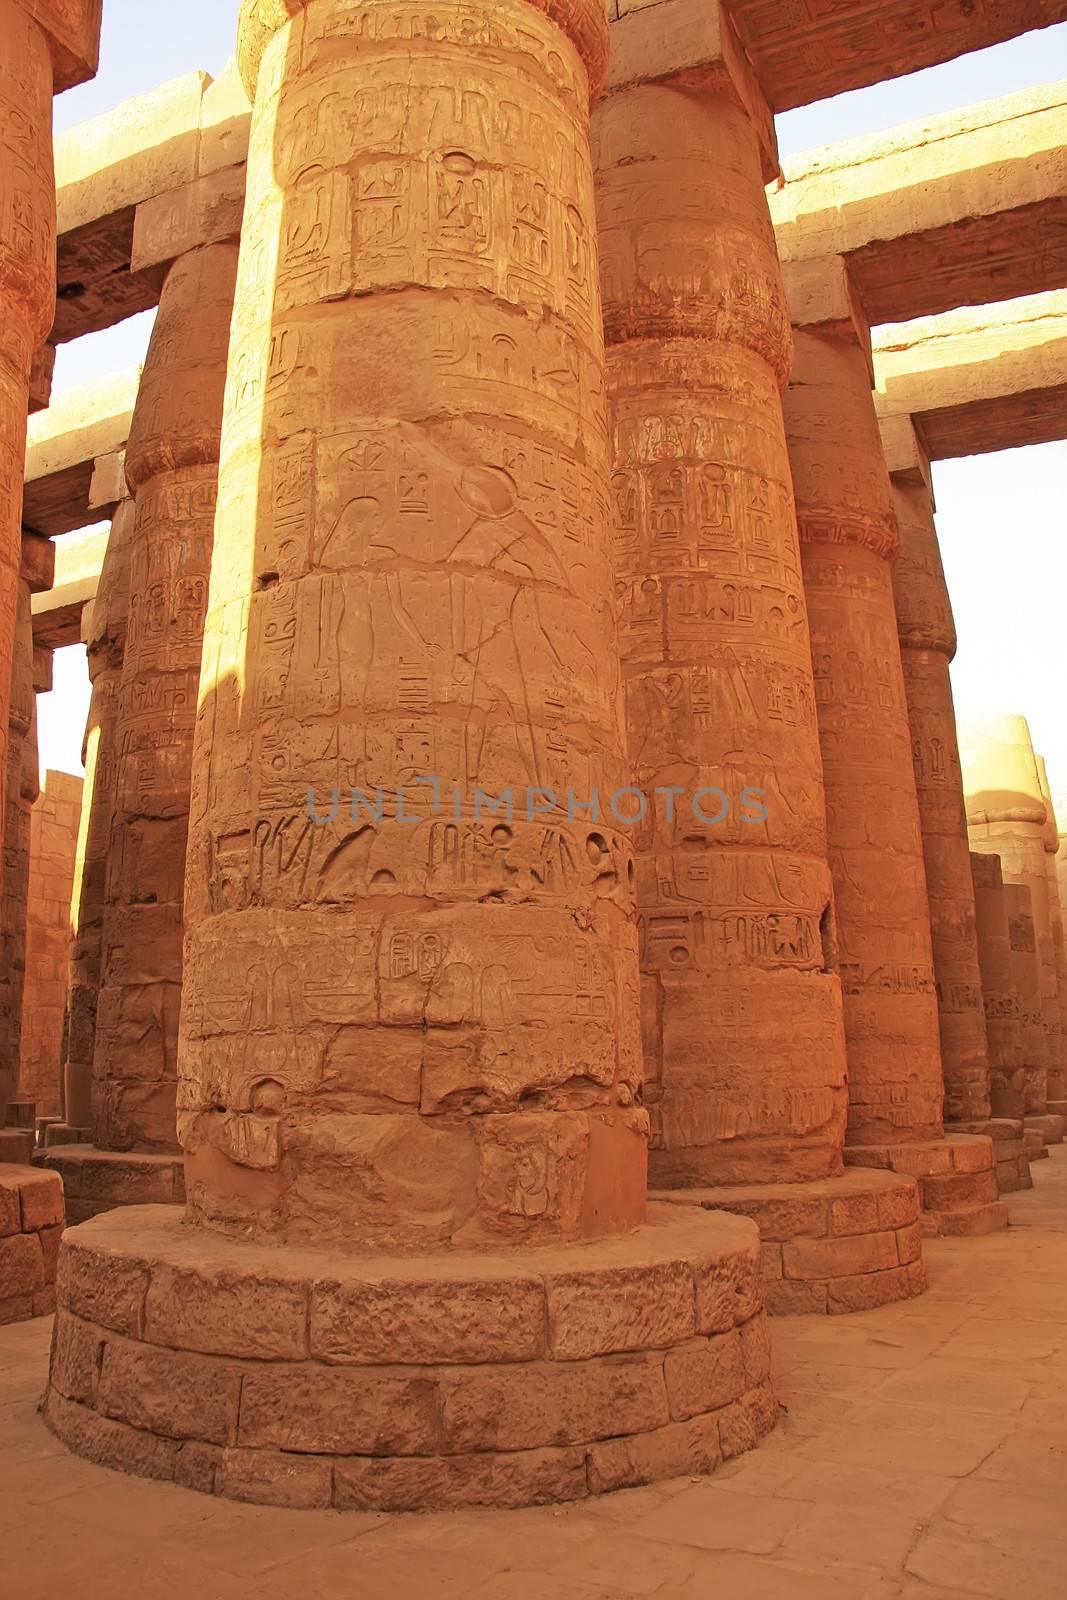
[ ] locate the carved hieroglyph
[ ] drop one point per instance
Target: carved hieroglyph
(1007, 815)
(105, 640)
(22, 788)
(1003, 1013)
(401, 1026)
(928, 644)
(848, 539)
(172, 470)
(743, 1036)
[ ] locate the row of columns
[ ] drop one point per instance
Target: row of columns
(408, 1035)
(784, 628)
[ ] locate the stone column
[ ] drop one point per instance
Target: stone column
(149, 634)
(1007, 815)
(849, 541)
(1026, 965)
(741, 1001)
(172, 471)
(104, 633)
(21, 790)
(409, 1036)
(1004, 1023)
(47, 46)
(927, 636)
(1057, 1078)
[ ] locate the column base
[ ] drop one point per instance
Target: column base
(957, 1180)
(313, 1377)
(1050, 1127)
(58, 1133)
(1009, 1149)
(16, 1147)
(1058, 1108)
(99, 1180)
(31, 1223)
(1036, 1148)
(837, 1245)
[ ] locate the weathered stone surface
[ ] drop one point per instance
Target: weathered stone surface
(53, 842)
(1003, 1012)
(80, 427)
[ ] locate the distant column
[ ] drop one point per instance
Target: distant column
(47, 45)
(928, 644)
(1007, 815)
(1057, 1078)
(1004, 1024)
(22, 788)
(104, 632)
(172, 470)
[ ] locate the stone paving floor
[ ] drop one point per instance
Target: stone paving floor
(923, 1456)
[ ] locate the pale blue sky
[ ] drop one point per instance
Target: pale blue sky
(1001, 518)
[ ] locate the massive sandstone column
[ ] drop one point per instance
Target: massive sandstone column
(1003, 1017)
(1057, 1081)
(1026, 966)
(160, 576)
(849, 541)
(104, 632)
(1007, 815)
(928, 644)
(409, 1057)
(741, 1001)
(21, 790)
(48, 45)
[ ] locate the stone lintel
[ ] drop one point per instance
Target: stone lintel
(812, 50)
(980, 379)
(692, 43)
(72, 28)
(38, 565)
(64, 445)
(906, 456)
(954, 210)
(821, 298)
(207, 211)
(106, 168)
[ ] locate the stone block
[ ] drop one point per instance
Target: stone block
(266, 1478)
(172, 1393)
(909, 1243)
(796, 1299)
(817, 1259)
(756, 1351)
(436, 1321)
(21, 1265)
(518, 1478)
(109, 1443)
(729, 1291)
(107, 1290)
(77, 1349)
(870, 1289)
(704, 1375)
(213, 1312)
(335, 1410)
(42, 1202)
(681, 1449)
(625, 1308)
(552, 1403)
(747, 1420)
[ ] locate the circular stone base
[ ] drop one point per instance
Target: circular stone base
(99, 1180)
(304, 1377)
(1009, 1149)
(31, 1225)
(841, 1244)
(957, 1180)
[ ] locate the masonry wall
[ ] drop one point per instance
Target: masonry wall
(53, 840)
